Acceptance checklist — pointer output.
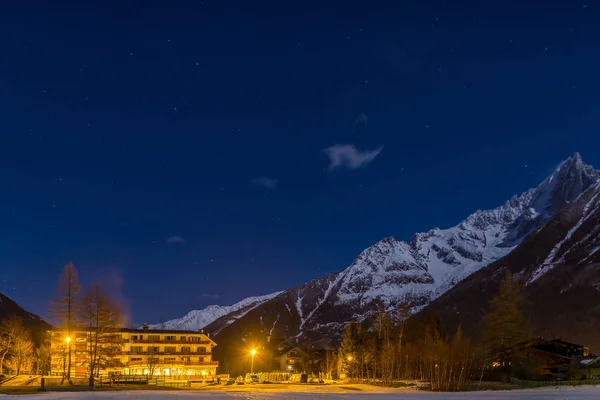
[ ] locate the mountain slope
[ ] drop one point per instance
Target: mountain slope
(559, 265)
(9, 308)
(197, 319)
(415, 273)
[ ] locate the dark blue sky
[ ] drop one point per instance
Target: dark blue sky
(124, 124)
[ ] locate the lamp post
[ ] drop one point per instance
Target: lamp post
(68, 340)
(349, 366)
(252, 352)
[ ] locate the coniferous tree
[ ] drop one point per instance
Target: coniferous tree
(435, 327)
(64, 310)
(506, 326)
(348, 350)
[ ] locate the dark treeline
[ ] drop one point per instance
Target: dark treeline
(392, 347)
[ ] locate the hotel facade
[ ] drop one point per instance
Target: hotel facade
(136, 352)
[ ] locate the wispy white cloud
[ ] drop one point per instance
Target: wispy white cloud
(347, 155)
(175, 239)
(210, 296)
(265, 182)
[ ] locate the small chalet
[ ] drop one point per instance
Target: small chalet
(290, 359)
(556, 358)
(296, 360)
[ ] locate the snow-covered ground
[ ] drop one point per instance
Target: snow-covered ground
(583, 393)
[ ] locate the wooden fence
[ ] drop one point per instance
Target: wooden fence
(118, 380)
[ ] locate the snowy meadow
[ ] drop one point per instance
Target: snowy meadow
(582, 393)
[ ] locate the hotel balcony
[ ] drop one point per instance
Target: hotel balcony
(166, 353)
(175, 362)
(188, 342)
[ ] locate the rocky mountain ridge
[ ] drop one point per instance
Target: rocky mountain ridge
(9, 309)
(559, 267)
(197, 319)
(414, 273)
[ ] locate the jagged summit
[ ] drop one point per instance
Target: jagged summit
(571, 178)
(434, 261)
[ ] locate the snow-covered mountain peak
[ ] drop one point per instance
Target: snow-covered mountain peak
(416, 272)
(197, 319)
(571, 178)
(434, 261)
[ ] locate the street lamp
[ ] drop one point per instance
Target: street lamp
(253, 352)
(349, 366)
(68, 340)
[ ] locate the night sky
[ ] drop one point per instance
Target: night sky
(191, 153)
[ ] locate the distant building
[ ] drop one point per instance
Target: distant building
(311, 360)
(290, 360)
(136, 352)
(556, 358)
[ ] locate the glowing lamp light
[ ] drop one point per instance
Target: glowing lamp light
(68, 339)
(349, 358)
(253, 352)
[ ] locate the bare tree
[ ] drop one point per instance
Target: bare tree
(15, 342)
(152, 360)
(403, 315)
(21, 354)
(102, 319)
(381, 352)
(331, 361)
(63, 309)
(387, 354)
(42, 359)
(12, 331)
